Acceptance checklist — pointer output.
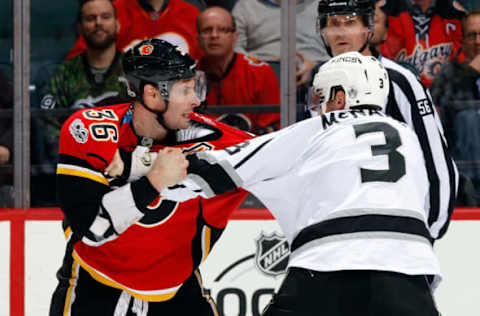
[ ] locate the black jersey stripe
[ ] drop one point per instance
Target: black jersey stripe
(215, 176)
(452, 181)
(250, 155)
(421, 132)
(196, 244)
(361, 223)
(99, 158)
(72, 160)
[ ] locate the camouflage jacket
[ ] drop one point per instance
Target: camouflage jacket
(74, 86)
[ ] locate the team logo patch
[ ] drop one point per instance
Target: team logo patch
(197, 148)
(78, 131)
(146, 49)
(272, 254)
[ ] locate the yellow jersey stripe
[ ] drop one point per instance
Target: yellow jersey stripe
(206, 241)
(82, 174)
(72, 281)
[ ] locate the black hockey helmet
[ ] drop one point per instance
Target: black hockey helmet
(363, 8)
(159, 63)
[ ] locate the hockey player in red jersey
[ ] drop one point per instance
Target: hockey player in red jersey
(128, 251)
(172, 20)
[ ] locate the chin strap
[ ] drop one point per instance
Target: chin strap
(365, 45)
(159, 114)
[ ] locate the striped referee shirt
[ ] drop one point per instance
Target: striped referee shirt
(410, 102)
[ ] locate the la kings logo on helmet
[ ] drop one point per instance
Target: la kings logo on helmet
(272, 254)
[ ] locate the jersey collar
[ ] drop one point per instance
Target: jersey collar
(148, 7)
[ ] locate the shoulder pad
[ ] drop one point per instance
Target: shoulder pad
(91, 135)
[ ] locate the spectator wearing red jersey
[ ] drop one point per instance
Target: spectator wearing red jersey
(424, 33)
(234, 78)
(170, 20)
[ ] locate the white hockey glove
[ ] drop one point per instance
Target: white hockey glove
(131, 166)
(141, 162)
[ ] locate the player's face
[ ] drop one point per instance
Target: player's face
(183, 100)
(471, 37)
(345, 33)
(98, 24)
(216, 35)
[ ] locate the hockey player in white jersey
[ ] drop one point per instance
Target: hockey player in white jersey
(349, 189)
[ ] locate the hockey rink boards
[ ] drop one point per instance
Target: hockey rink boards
(243, 270)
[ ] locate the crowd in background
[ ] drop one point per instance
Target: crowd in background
(237, 43)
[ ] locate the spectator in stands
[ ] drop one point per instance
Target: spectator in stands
(259, 33)
(235, 78)
(170, 20)
(424, 33)
(456, 91)
(90, 79)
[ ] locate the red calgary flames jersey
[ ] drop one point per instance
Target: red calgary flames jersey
(246, 81)
(155, 255)
(175, 24)
(440, 46)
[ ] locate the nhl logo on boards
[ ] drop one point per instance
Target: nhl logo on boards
(272, 254)
(146, 49)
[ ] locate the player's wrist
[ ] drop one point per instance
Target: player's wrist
(144, 193)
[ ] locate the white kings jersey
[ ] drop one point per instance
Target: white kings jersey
(349, 189)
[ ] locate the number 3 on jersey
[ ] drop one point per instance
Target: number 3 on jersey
(396, 161)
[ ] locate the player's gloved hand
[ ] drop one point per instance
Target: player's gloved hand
(168, 169)
(131, 166)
